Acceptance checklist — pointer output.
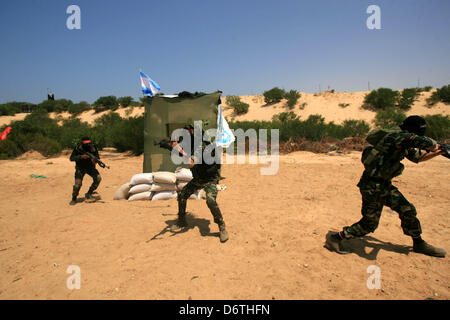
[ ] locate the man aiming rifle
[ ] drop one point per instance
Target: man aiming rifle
(205, 176)
(85, 155)
(382, 162)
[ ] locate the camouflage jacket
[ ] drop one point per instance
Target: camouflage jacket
(203, 171)
(80, 163)
(382, 161)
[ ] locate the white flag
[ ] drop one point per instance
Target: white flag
(224, 136)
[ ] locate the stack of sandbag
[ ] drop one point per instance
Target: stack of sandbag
(164, 185)
(140, 187)
(161, 185)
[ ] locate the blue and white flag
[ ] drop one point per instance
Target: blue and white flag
(149, 87)
(224, 136)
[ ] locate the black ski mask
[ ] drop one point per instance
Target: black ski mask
(414, 124)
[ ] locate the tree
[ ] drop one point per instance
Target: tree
(292, 97)
(273, 95)
(105, 103)
(380, 99)
(125, 101)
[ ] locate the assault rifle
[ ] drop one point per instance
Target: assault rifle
(96, 160)
(446, 148)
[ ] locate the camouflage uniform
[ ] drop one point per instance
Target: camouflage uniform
(382, 164)
(82, 167)
(204, 177)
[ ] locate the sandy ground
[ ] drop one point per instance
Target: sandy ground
(325, 104)
(277, 226)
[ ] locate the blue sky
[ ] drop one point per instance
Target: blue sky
(237, 46)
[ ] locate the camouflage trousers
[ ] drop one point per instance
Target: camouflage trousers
(79, 174)
(374, 197)
(210, 188)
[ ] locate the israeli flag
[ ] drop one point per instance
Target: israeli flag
(149, 87)
(224, 136)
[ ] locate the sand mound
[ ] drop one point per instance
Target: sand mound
(31, 155)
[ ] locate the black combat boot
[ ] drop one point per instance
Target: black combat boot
(428, 249)
(223, 232)
(88, 196)
(73, 202)
(333, 242)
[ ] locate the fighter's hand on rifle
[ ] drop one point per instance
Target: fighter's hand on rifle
(85, 156)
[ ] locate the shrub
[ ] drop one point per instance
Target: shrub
(78, 108)
(62, 105)
(105, 103)
(381, 99)
(283, 117)
(303, 105)
(344, 105)
(48, 105)
(125, 101)
(238, 106)
(10, 108)
(273, 95)
(241, 108)
(355, 128)
(407, 98)
(438, 126)
(433, 99)
(444, 93)
(389, 118)
(292, 96)
(128, 134)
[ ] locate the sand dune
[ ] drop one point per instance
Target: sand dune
(325, 104)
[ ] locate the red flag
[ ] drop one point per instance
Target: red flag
(5, 133)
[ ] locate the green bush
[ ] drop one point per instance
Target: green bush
(62, 105)
(292, 97)
(381, 99)
(125, 101)
(284, 117)
(128, 134)
(10, 108)
(344, 105)
(48, 105)
(238, 106)
(444, 93)
(390, 118)
(355, 128)
(433, 99)
(407, 98)
(273, 95)
(438, 126)
(78, 108)
(105, 103)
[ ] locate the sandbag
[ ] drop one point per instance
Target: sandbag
(142, 178)
(183, 174)
(122, 192)
(140, 196)
(140, 188)
(164, 195)
(164, 177)
(156, 187)
(181, 185)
